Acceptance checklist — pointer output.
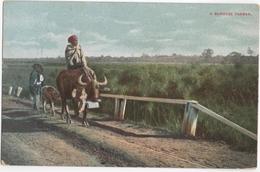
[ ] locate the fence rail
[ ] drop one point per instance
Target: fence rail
(190, 118)
(225, 121)
(148, 99)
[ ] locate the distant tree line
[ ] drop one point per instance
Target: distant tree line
(205, 57)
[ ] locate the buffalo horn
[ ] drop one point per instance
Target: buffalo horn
(104, 82)
(80, 80)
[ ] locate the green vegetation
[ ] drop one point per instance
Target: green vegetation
(230, 90)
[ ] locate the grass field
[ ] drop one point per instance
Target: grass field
(230, 90)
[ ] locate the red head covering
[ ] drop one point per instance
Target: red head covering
(72, 38)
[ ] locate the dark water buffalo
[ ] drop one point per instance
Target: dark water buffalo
(79, 86)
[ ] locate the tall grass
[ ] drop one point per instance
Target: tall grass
(230, 90)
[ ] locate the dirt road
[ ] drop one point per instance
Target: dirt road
(28, 138)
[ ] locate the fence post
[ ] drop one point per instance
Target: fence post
(122, 109)
(117, 103)
(10, 91)
(190, 118)
(19, 90)
(185, 119)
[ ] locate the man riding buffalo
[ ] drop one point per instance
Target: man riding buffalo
(78, 83)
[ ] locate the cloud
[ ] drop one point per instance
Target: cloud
(107, 49)
(188, 21)
(50, 36)
(165, 40)
(22, 43)
(169, 14)
(125, 22)
(247, 31)
(239, 26)
(219, 38)
(95, 37)
(56, 40)
(135, 31)
(98, 44)
(49, 44)
(240, 22)
(30, 52)
(98, 19)
(51, 40)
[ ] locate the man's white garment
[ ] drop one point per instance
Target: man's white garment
(74, 54)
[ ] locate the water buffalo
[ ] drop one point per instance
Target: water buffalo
(50, 95)
(78, 85)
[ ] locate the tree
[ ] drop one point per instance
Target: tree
(250, 51)
(145, 55)
(234, 54)
(235, 58)
(207, 53)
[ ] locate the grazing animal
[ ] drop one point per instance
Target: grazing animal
(78, 85)
(50, 95)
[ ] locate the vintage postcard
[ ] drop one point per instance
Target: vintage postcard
(129, 84)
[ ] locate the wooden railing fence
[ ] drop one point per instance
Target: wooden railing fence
(190, 118)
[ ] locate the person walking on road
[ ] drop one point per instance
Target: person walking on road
(36, 82)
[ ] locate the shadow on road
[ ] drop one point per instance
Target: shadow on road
(97, 123)
(16, 113)
(20, 122)
(128, 133)
(13, 125)
(18, 101)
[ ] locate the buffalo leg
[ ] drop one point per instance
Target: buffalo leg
(84, 120)
(63, 106)
(52, 108)
(68, 119)
(44, 106)
(75, 105)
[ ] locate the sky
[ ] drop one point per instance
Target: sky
(41, 29)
